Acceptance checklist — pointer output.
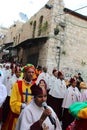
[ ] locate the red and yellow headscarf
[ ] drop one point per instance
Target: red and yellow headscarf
(27, 67)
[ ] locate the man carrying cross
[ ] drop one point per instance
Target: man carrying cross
(20, 95)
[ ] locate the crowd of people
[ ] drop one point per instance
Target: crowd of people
(31, 98)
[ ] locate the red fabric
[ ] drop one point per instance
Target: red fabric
(12, 117)
(0, 114)
(20, 89)
(81, 124)
(26, 68)
(71, 126)
(7, 125)
(33, 82)
(78, 125)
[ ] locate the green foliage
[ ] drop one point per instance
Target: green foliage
(31, 22)
(45, 26)
(64, 52)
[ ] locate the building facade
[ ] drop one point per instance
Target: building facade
(53, 37)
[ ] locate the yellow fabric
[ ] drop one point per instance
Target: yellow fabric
(83, 113)
(34, 76)
(83, 85)
(14, 124)
(15, 99)
(38, 72)
(22, 75)
(67, 83)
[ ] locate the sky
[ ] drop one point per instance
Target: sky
(10, 9)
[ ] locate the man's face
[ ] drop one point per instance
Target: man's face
(29, 74)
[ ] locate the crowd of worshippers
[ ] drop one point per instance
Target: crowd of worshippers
(31, 98)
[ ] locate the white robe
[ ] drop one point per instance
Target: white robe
(58, 88)
(2, 76)
(52, 81)
(3, 93)
(84, 95)
(7, 75)
(11, 81)
(72, 95)
(32, 114)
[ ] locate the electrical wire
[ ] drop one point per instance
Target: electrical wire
(68, 21)
(80, 8)
(74, 10)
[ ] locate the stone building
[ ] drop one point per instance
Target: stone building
(54, 37)
(3, 32)
(7, 42)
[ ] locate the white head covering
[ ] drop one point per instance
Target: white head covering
(7, 64)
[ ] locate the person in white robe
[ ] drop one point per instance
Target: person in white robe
(3, 87)
(15, 76)
(44, 75)
(7, 74)
(53, 78)
(1, 76)
(72, 95)
(35, 116)
(3, 95)
(52, 85)
(84, 95)
(57, 93)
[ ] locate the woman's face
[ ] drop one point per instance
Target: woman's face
(74, 84)
(42, 84)
(18, 73)
(55, 73)
(40, 99)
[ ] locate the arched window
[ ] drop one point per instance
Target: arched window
(34, 28)
(40, 25)
(19, 38)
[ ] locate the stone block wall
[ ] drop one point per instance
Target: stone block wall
(75, 46)
(71, 39)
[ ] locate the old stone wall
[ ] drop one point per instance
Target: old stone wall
(32, 27)
(66, 47)
(13, 33)
(74, 48)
